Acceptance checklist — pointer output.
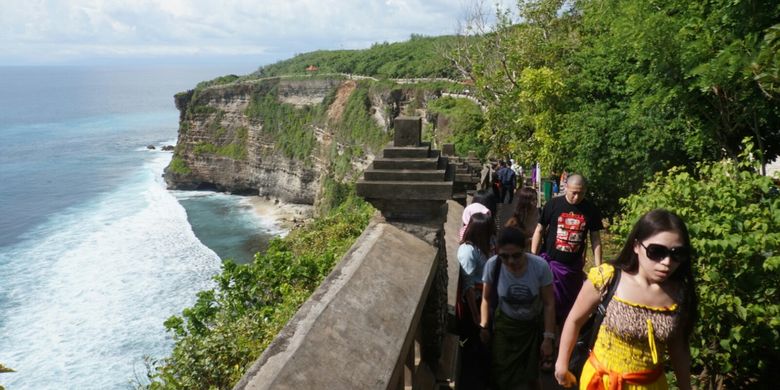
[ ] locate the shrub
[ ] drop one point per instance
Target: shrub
(733, 215)
(178, 166)
(229, 326)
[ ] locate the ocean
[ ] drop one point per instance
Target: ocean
(95, 253)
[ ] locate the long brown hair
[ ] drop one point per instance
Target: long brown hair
(526, 204)
(479, 231)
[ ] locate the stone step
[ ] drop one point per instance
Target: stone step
(404, 190)
(406, 152)
(403, 175)
(405, 163)
(466, 178)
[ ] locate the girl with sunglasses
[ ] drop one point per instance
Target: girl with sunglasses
(518, 289)
(653, 311)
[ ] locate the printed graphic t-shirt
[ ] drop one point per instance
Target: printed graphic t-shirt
(567, 227)
(519, 297)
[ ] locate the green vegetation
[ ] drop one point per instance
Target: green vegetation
(619, 90)
(733, 214)
(292, 127)
(416, 57)
(230, 325)
(234, 151)
(217, 81)
(465, 120)
(178, 166)
(356, 126)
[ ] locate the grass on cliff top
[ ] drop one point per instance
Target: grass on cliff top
(229, 326)
(420, 56)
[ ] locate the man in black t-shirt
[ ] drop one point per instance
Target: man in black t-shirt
(565, 222)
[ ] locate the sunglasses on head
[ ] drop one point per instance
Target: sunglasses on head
(657, 252)
(507, 256)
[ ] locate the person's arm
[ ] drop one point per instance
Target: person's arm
(680, 355)
(536, 241)
(548, 302)
(586, 302)
(468, 260)
(484, 333)
(595, 240)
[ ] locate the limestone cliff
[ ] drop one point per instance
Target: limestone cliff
(279, 137)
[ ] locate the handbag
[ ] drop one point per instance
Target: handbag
(589, 331)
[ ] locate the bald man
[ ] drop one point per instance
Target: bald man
(564, 223)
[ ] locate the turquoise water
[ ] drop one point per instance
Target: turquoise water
(95, 253)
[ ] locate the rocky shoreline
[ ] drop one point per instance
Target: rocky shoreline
(288, 215)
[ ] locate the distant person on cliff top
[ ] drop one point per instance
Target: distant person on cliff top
(564, 224)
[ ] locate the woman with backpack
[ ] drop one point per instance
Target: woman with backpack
(653, 311)
(474, 249)
(518, 290)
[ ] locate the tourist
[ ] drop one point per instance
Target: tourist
(495, 180)
(482, 202)
(653, 311)
(519, 286)
(508, 182)
(526, 214)
(564, 224)
(474, 249)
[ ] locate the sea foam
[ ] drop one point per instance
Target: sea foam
(86, 294)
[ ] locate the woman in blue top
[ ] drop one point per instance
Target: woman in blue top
(472, 255)
(518, 286)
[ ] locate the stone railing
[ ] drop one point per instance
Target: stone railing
(382, 318)
(361, 327)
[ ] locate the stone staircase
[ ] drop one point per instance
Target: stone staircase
(410, 180)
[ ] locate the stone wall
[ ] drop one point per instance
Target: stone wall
(359, 326)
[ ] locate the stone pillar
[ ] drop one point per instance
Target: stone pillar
(408, 131)
(409, 186)
(448, 150)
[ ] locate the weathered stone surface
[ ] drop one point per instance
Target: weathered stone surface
(352, 332)
(405, 190)
(451, 243)
(406, 163)
(406, 152)
(408, 131)
(403, 175)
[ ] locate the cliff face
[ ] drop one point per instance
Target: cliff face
(240, 137)
(221, 147)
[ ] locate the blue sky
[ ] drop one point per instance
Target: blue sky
(50, 32)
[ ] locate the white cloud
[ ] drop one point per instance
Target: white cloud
(45, 31)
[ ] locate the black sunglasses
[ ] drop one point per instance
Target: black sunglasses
(657, 252)
(507, 256)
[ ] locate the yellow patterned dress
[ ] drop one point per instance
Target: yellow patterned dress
(632, 338)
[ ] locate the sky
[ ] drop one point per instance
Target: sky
(54, 32)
